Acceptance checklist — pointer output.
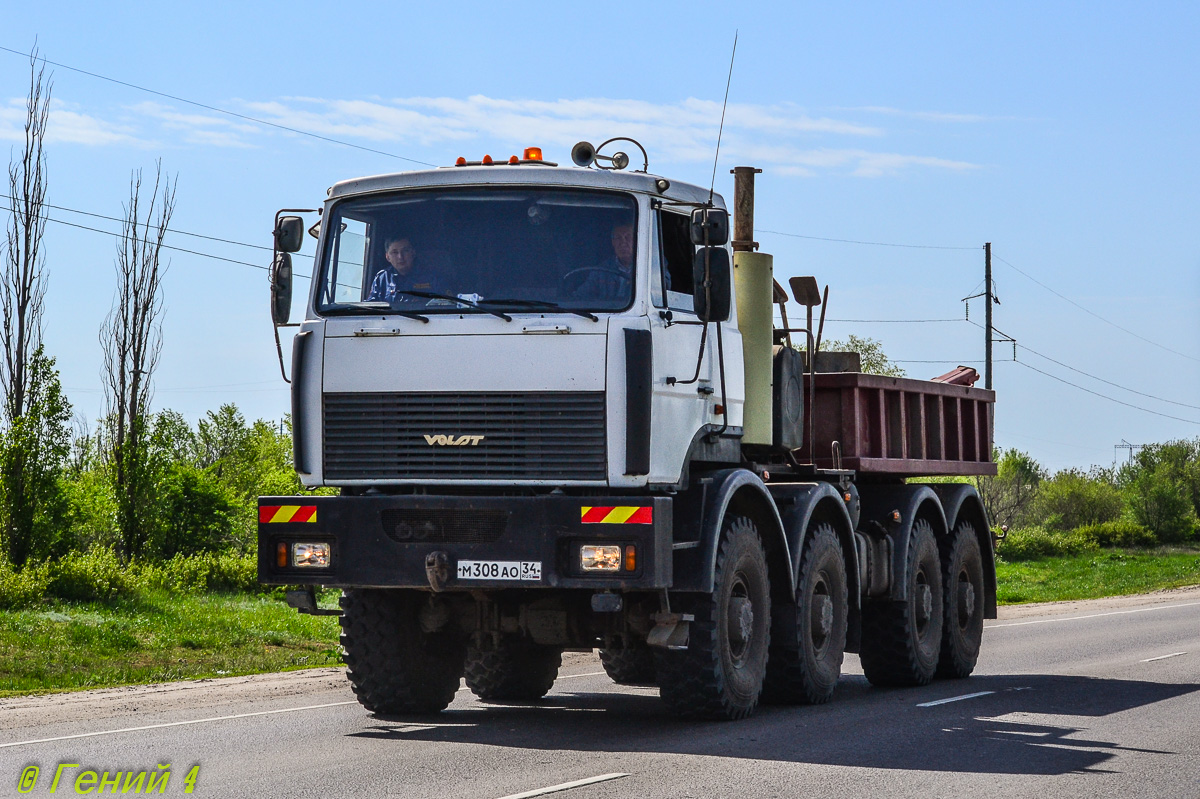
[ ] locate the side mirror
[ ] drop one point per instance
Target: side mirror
(713, 220)
(719, 284)
(289, 233)
(281, 288)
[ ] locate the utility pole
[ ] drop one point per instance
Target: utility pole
(1127, 446)
(987, 315)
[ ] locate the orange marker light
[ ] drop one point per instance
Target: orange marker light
(533, 153)
(460, 161)
(487, 160)
(281, 555)
(512, 159)
(630, 558)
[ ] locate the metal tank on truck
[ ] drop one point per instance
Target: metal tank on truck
(561, 418)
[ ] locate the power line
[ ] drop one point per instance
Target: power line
(218, 110)
(1098, 316)
(165, 246)
(870, 243)
(1109, 382)
(155, 227)
(1105, 396)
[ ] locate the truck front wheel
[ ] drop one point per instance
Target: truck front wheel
(516, 670)
(720, 675)
(806, 670)
(394, 667)
(901, 641)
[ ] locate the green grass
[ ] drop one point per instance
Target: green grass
(1096, 574)
(156, 636)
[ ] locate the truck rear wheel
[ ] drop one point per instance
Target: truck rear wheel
(516, 670)
(720, 675)
(631, 666)
(394, 667)
(901, 641)
(806, 670)
(962, 576)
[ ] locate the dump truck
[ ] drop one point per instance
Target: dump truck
(560, 415)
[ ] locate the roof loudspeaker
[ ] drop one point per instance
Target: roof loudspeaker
(583, 154)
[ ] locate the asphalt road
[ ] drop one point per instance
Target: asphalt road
(1089, 700)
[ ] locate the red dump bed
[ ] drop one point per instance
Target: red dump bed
(900, 426)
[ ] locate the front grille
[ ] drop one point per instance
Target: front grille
(525, 436)
(412, 525)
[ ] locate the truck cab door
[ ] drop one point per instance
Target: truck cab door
(681, 406)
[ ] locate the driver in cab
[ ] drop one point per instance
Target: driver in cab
(612, 279)
(400, 274)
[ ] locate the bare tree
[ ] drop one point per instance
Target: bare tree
(132, 339)
(33, 409)
(24, 286)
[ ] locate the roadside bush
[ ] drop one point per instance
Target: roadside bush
(223, 571)
(1160, 499)
(196, 513)
(21, 588)
(1120, 533)
(95, 575)
(1072, 499)
(1032, 543)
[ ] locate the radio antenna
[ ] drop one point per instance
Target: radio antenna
(721, 130)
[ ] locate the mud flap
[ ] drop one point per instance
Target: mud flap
(670, 631)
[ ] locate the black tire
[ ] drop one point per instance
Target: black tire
(901, 641)
(394, 668)
(962, 631)
(632, 666)
(806, 671)
(516, 671)
(720, 675)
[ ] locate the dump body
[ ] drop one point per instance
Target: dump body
(901, 426)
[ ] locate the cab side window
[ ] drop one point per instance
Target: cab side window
(676, 252)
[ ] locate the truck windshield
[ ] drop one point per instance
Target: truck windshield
(520, 250)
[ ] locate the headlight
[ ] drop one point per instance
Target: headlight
(600, 558)
(310, 555)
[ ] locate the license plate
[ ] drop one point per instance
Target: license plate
(499, 570)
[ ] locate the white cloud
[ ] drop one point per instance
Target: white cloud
(927, 116)
(204, 129)
(65, 125)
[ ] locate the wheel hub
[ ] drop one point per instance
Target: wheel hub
(741, 619)
(924, 603)
(966, 601)
(822, 616)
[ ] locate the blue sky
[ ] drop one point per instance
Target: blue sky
(1063, 133)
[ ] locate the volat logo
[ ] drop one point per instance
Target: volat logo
(452, 441)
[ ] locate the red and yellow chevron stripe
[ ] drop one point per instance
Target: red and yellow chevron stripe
(621, 514)
(274, 514)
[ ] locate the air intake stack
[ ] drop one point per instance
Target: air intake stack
(754, 279)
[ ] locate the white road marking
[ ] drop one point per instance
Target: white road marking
(566, 786)
(955, 699)
(1092, 616)
(222, 718)
(564, 677)
(1163, 657)
(176, 724)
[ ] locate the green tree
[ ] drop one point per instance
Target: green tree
(33, 451)
(874, 360)
(1072, 498)
(1008, 495)
(1162, 488)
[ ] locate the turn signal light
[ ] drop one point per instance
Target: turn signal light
(630, 558)
(281, 555)
(533, 153)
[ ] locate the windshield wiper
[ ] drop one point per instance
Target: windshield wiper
(433, 295)
(369, 308)
(549, 306)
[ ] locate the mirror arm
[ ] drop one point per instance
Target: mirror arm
(279, 352)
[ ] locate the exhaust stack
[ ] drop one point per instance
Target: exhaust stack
(753, 275)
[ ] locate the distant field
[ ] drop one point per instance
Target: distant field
(1105, 572)
(156, 637)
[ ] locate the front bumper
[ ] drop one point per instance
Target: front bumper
(385, 541)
